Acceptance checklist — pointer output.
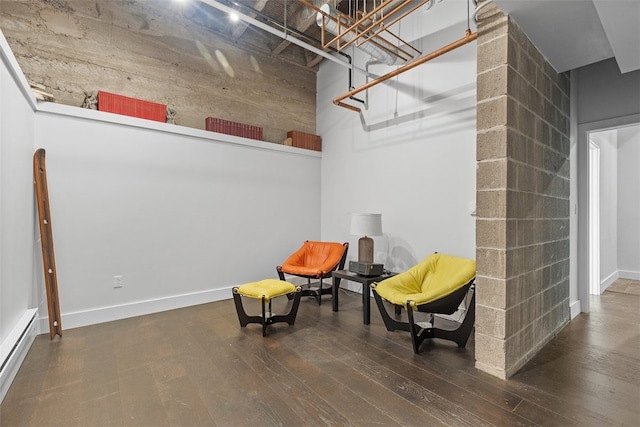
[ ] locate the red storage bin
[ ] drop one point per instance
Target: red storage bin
(113, 103)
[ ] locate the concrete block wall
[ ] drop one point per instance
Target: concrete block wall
(522, 229)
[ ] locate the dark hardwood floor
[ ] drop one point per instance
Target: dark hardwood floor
(196, 366)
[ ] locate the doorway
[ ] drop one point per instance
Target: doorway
(590, 219)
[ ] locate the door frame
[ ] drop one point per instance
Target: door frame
(583, 273)
(594, 217)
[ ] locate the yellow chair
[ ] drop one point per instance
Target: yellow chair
(315, 260)
(436, 285)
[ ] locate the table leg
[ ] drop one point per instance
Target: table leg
(335, 288)
(366, 301)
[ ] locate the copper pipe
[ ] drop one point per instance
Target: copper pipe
(469, 37)
(375, 10)
(374, 24)
(353, 22)
(340, 47)
(384, 27)
(348, 106)
(397, 52)
(382, 41)
(355, 26)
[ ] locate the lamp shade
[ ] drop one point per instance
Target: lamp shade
(366, 224)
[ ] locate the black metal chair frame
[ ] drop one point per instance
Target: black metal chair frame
(322, 290)
(267, 318)
(446, 305)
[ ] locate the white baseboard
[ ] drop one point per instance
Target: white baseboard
(604, 284)
(14, 349)
(575, 308)
(138, 308)
(628, 274)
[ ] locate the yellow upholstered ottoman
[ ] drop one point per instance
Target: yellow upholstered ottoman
(266, 290)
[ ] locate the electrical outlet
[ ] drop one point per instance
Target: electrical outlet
(117, 281)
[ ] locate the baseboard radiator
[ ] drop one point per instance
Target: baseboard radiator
(14, 349)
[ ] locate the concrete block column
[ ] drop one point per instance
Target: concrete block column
(522, 229)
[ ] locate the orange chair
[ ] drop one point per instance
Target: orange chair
(315, 260)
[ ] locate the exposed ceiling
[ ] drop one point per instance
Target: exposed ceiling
(569, 33)
(264, 24)
(575, 33)
(284, 16)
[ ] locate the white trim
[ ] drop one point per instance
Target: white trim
(215, 137)
(14, 348)
(139, 308)
(628, 274)
(604, 284)
(595, 285)
(575, 309)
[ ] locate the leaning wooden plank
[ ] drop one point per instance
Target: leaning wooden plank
(46, 239)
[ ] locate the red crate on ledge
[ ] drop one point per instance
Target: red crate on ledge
(119, 104)
(233, 128)
(305, 140)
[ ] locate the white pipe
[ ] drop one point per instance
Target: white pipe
(479, 5)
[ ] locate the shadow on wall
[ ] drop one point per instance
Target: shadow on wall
(396, 255)
(439, 91)
(460, 101)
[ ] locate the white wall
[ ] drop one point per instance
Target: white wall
(17, 294)
(16, 200)
(629, 202)
(181, 214)
(413, 158)
(607, 142)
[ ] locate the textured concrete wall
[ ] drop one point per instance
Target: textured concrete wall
(162, 51)
(522, 229)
